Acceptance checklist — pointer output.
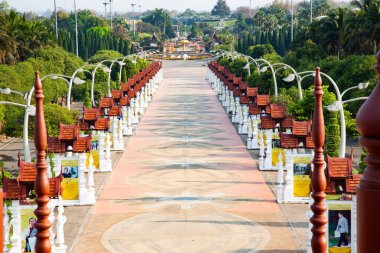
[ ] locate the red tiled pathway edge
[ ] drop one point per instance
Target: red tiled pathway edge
(185, 183)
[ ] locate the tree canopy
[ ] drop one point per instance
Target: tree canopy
(221, 9)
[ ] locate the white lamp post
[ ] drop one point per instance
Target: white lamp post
(76, 28)
(111, 14)
(342, 146)
(132, 56)
(105, 9)
(56, 19)
(72, 79)
(133, 18)
(29, 110)
(121, 64)
(291, 77)
(264, 69)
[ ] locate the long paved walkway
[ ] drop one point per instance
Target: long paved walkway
(186, 183)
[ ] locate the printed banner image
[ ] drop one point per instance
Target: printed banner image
(301, 179)
(339, 228)
(275, 154)
(111, 139)
(69, 184)
(28, 231)
(264, 137)
(94, 142)
(95, 157)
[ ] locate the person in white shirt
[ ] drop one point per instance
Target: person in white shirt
(342, 228)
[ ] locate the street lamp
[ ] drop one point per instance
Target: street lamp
(109, 70)
(72, 79)
(69, 80)
(105, 9)
(7, 91)
(105, 69)
(29, 110)
(76, 28)
(131, 56)
(56, 18)
(139, 12)
(291, 77)
(111, 13)
(342, 145)
(292, 21)
(265, 68)
(133, 18)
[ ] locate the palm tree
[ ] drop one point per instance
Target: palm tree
(331, 31)
(369, 15)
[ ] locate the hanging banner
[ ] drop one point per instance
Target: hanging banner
(301, 175)
(70, 184)
(339, 227)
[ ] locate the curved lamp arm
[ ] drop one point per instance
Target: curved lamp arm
(273, 75)
(296, 76)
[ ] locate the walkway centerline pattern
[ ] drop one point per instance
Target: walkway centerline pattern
(186, 183)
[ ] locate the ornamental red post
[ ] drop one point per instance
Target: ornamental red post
(41, 185)
(318, 180)
(368, 192)
(1, 220)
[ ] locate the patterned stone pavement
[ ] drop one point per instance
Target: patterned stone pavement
(185, 183)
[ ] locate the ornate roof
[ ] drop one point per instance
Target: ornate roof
(301, 128)
(262, 100)
(244, 99)
(125, 101)
(243, 85)
(82, 144)
(254, 110)
(67, 132)
(26, 171)
(91, 114)
(55, 146)
(116, 94)
(115, 111)
(252, 92)
(267, 122)
(287, 122)
(339, 167)
(236, 80)
(102, 124)
(12, 189)
(288, 141)
(352, 183)
(106, 102)
(83, 125)
(277, 111)
(125, 87)
(309, 142)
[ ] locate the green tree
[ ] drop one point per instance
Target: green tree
(221, 9)
(259, 51)
(160, 18)
(195, 30)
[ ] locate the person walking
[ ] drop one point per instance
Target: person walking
(342, 228)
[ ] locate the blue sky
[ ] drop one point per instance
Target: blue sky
(125, 5)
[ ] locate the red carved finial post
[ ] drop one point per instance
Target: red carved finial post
(1, 220)
(41, 185)
(368, 193)
(318, 180)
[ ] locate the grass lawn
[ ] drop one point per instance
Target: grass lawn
(227, 23)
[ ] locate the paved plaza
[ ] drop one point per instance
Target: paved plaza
(186, 183)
